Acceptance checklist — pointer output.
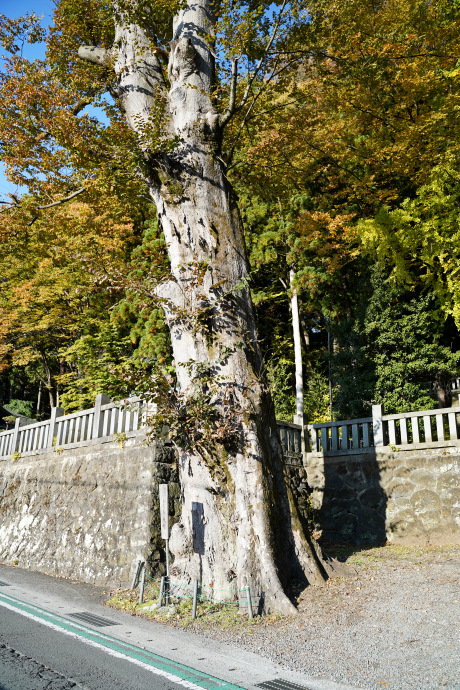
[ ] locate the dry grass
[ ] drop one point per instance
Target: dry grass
(179, 613)
(367, 556)
(370, 563)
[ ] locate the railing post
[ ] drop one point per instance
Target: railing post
(162, 592)
(300, 420)
(377, 425)
(314, 439)
(141, 591)
(52, 431)
(137, 573)
(14, 445)
(101, 399)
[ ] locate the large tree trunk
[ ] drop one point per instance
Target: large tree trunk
(238, 524)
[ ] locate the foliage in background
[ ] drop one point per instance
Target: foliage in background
(316, 392)
(393, 351)
(50, 293)
(23, 407)
(355, 163)
(351, 157)
(119, 355)
(316, 397)
(420, 238)
(279, 375)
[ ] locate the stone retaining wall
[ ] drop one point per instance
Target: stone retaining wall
(405, 497)
(89, 513)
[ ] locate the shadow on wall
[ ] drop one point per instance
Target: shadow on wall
(348, 498)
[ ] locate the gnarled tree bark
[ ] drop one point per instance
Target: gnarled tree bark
(239, 523)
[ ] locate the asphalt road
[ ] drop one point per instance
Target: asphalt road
(45, 643)
(36, 657)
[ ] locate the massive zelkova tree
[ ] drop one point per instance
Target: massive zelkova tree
(239, 524)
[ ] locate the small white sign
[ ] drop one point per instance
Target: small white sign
(164, 510)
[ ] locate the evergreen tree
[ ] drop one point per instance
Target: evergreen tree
(397, 349)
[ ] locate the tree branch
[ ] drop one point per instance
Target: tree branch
(57, 203)
(232, 100)
(270, 110)
(98, 56)
(80, 105)
(259, 64)
(248, 112)
(65, 199)
(17, 204)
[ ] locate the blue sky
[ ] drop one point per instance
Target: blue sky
(13, 9)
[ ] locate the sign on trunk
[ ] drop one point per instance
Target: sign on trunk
(164, 510)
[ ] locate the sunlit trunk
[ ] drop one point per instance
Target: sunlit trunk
(238, 523)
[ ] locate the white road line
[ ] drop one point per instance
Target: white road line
(153, 669)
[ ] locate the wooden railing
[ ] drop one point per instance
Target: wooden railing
(291, 441)
(107, 419)
(349, 434)
(6, 443)
(427, 427)
(402, 430)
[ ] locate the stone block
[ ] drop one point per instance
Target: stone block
(425, 501)
(370, 527)
(451, 499)
(401, 469)
(405, 528)
(342, 468)
(343, 529)
(445, 534)
(354, 507)
(373, 498)
(424, 479)
(399, 487)
(392, 508)
(448, 486)
(315, 479)
(344, 494)
(333, 482)
(437, 519)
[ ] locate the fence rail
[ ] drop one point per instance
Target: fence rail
(108, 418)
(291, 441)
(431, 426)
(404, 429)
(6, 443)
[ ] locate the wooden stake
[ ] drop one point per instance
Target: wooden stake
(162, 589)
(141, 591)
(248, 592)
(195, 596)
(136, 574)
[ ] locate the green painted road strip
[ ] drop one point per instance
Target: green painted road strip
(174, 671)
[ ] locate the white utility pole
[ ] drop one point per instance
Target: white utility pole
(297, 350)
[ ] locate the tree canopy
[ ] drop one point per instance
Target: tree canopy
(346, 157)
